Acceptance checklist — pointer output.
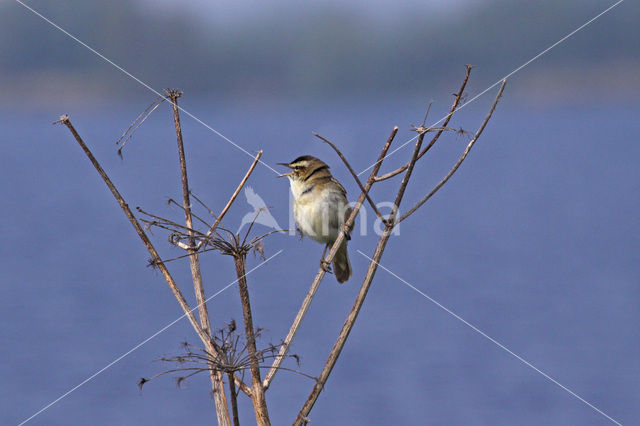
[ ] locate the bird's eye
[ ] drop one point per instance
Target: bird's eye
(296, 167)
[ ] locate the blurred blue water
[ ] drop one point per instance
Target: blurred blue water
(534, 241)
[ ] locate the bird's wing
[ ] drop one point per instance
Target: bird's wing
(347, 213)
(344, 191)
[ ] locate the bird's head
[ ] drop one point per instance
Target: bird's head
(302, 168)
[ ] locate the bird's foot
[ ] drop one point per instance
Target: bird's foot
(299, 231)
(326, 266)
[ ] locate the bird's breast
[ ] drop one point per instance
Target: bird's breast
(319, 213)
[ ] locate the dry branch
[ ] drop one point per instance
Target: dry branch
(188, 311)
(234, 400)
(258, 399)
(440, 129)
(156, 260)
(131, 130)
(460, 160)
(233, 196)
(219, 395)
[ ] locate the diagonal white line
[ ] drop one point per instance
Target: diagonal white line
(494, 341)
(128, 74)
(502, 78)
(115, 361)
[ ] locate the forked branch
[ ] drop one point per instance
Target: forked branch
(188, 311)
(440, 129)
(156, 260)
(233, 197)
(460, 160)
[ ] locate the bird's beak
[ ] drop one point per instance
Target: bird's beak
(286, 174)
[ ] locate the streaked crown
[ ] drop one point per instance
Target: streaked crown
(302, 168)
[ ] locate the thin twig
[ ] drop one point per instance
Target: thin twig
(128, 134)
(460, 160)
(355, 176)
(251, 243)
(456, 101)
(203, 204)
(233, 197)
(173, 259)
(171, 225)
(143, 236)
(176, 229)
(205, 364)
(321, 272)
(193, 215)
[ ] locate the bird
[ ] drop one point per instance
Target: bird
(260, 213)
(320, 208)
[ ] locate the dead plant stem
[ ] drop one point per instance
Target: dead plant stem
(456, 102)
(143, 236)
(460, 160)
(233, 197)
(234, 400)
(219, 396)
(258, 398)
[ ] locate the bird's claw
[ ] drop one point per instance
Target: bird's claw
(326, 266)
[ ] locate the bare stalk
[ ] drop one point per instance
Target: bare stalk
(456, 102)
(188, 311)
(222, 409)
(258, 399)
(233, 197)
(302, 418)
(234, 400)
(321, 272)
(128, 134)
(460, 160)
(156, 260)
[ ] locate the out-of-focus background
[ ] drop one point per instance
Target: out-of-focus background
(535, 240)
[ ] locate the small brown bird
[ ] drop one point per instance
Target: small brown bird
(320, 207)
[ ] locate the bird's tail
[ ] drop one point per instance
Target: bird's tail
(341, 264)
